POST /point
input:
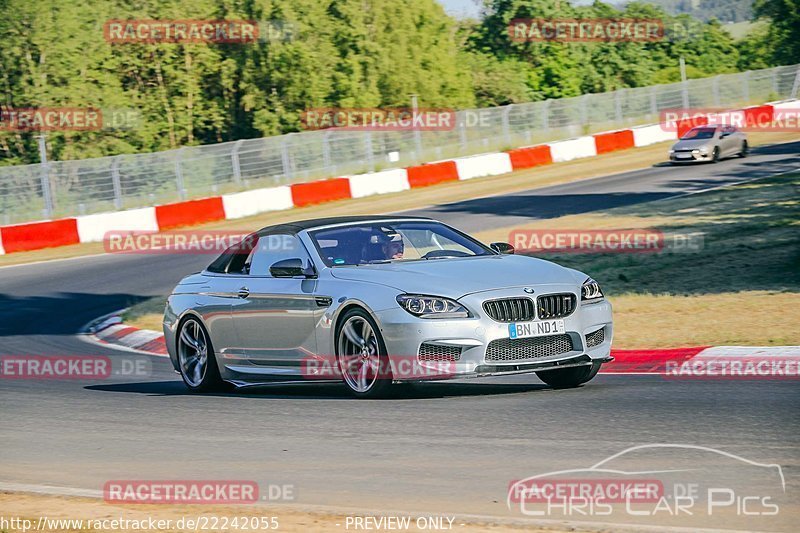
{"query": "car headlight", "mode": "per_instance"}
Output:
(591, 291)
(432, 306)
(703, 150)
(671, 151)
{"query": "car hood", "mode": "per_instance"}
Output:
(455, 278)
(692, 144)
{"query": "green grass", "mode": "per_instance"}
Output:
(751, 242)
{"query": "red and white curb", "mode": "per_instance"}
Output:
(93, 228)
(699, 361)
(709, 362)
(110, 331)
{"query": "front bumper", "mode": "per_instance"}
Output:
(689, 157)
(469, 338)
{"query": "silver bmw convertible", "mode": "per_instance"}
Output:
(372, 301)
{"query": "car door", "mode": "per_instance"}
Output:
(275, 318)
(727, 141)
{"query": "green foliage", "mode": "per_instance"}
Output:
(783, 35)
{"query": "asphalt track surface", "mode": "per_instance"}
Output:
(444, 448)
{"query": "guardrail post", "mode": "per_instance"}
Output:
(116, 183)
(237, 169)
(179, 174)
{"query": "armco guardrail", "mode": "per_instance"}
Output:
(74, 188)
(91, 228)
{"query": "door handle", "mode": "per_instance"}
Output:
(244, 292)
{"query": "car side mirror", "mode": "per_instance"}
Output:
(502, 248)
(290, 268)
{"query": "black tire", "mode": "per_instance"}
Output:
(210, 379)
(745, 149)
(567, 378)
(715, 155)
(382, 384)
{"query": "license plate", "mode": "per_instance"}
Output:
(684, 156)
(519, 330)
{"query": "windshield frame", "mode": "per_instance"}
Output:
(699, 129)
(312, 233)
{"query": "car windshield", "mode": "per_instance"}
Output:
(700, 133)
(381, 242)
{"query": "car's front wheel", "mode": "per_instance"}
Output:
(362, 356)
(715, 155)
(196, 361)
(566, 378)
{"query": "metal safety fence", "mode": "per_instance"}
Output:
(70, 188)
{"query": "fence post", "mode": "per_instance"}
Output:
(115, 182)
(796, 85)
(285, 159)
(44, 174)
(746, 86)
(417, 133)
(462, 130)
(506, 125)
(368, 150)
(326, 153)
(546, 114)
(715, 90)
(237, 169)
(618, 105)
(684, 84)
(775, 81)
(584, 109)
(653, 100)
(179, 174)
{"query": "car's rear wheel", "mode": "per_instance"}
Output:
(196, 361)
(566, 378)
(362, 356)
(715, 155)
(745, 149)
